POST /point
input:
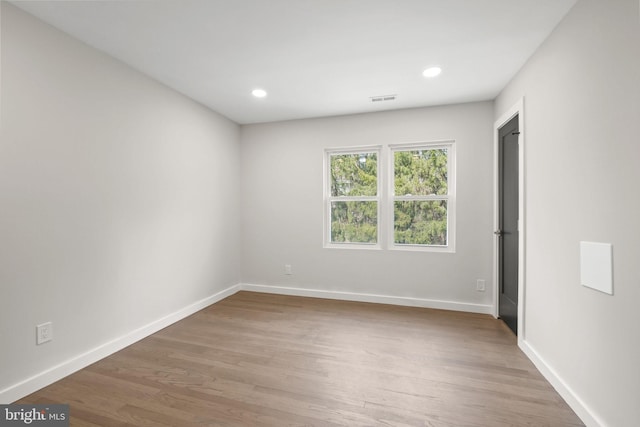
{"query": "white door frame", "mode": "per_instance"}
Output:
(517, 109)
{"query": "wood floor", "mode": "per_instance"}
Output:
(269, 360)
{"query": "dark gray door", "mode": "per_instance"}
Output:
(508, 223)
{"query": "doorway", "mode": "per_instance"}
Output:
(508, 220)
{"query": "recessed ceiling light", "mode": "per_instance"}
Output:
(432, 71)
(259, 93)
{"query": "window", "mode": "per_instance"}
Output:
(353, 204)
(413, 210)
(422, 195)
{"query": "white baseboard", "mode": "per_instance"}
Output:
(579, 407)
(55, 373)
(380, 299)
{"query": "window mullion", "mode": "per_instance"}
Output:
(353, 199)
(420, 198)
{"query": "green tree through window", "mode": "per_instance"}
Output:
(415, 211)
(354, 191)
(420, 181)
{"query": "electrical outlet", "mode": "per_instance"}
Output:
(287, 270)
(44, 333)
(480, 285)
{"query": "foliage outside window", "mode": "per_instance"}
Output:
(415, 207)
(353, 199)
(421, 195)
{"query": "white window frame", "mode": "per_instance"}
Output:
(450, 197)
(328, 198)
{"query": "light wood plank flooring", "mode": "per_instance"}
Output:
(269, 360)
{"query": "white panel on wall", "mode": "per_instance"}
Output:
(596, 266)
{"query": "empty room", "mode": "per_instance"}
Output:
(319, 213)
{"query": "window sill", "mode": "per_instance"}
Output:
(353, 246)
(420, 248)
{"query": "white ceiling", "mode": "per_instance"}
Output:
(314, 57)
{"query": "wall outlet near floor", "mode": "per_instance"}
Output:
(480, 285)
(287, 269)
(44, 333)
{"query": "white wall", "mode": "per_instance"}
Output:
(582, 105)
(118, 199)
(282, 206)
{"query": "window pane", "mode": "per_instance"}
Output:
(354, 174)
(420, 222)
(420, 172)
(354, 222)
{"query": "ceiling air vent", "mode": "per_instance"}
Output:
(382, 98)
